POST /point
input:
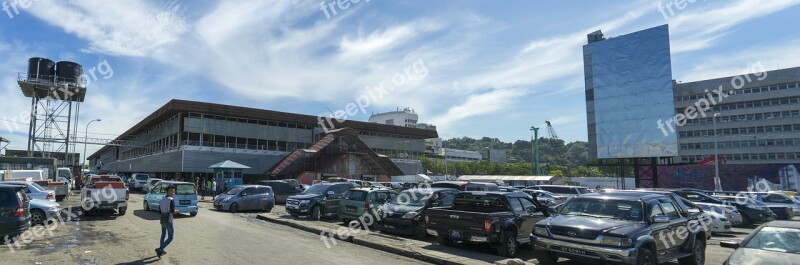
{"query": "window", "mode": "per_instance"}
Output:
(527, 204)
(669, 209)
(447, 199)
(356, 195)
(516, 206)
(655, 210)
(248, 191)
(776, 198)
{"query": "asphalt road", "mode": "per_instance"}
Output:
(209, 238)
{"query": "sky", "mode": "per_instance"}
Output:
(472, 68)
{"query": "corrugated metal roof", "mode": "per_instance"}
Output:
(227, 164)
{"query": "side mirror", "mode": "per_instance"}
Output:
(729, 244)
(330, 194)
(661, 219)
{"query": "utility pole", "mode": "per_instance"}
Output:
(537, 171)
(717, 181)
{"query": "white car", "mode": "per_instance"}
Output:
(35, 191)
(151, 182)
(728, 211)
(137, 181)
(719, 223)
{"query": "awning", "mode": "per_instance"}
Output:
(520, 178)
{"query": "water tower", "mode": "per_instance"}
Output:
(56, 91)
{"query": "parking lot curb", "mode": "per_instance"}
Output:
(364, 241)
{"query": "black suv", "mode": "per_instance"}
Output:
(319, 200)
(627, 227)
(282, 189)
(15, 217)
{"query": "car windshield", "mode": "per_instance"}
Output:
(603, 208)
(778, 239)
(184, 189)
(154, 181)
(142, 177)
(411, 198)
(316, 189)
(234, 191)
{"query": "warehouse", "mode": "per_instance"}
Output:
(183, 138)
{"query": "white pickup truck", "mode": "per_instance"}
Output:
(104, 192)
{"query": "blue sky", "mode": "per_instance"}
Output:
(491, 68)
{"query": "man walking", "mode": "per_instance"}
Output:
(208, 185)
(167, 208)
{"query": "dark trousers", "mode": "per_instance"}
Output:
(166, 230)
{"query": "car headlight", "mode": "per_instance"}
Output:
(616, 241)
(540, 231)
(410, 215)
(304, 202)
(226, 199)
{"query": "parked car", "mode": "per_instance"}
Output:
(776, 242)
(281, 189)
(621, 227)
(777, 199)
(545, 197)
(34, 191)
(246, 197)
(104, 192)
(138, 180)
(405, 213)
(359, 202)
(150, 183)
(185, 197)
(711, 203)
(294, 183)
(720, 223)
(504, 220)
(318, 201)
(562, 190)
(43, 210)
(359, 183)
(729, 212)
(15, 215)
(753, 212)
(466, 185)
(508, 189)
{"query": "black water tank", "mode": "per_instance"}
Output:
(69, 72)
(41, 69)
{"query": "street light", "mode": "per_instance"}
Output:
(717, 182)
(85, 139)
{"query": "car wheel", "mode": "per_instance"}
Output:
(37, 216)
(193, 214)
(316, 215)
(746, 221)
(508, 246)
(422, 230)
(698, 256)
(122, 210)
(646, 257)
(234, 208)
(445, 241)
(145, 206)
(545, 257)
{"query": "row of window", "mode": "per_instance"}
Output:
(743, 91)
(253, 121)
(211, 140)
(746, 157)
(751, 104)
(741, 144)
(158, 146)
(742, 130)
(746, 117)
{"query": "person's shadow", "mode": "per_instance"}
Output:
(147, 260)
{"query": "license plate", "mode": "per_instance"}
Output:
(389, 226)
(291, 206)
(185, 202)
(106, 207)
(573, 250)
(456, 234)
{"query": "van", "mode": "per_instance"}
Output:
(185, 197)
(138, 180)
(281, 189)
(246, 197)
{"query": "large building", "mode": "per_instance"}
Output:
(405, 117)
(183, 138)
(673, 133)
(758, 121)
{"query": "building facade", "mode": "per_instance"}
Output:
(182, 138)
(405, 117)
(757, 121)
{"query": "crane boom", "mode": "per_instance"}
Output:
(551, 131)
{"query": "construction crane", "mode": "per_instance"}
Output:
(551, 131)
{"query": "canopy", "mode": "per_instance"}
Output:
(227, 164)
(520, 178)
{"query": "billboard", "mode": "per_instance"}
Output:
(628, 90)
(736, 177)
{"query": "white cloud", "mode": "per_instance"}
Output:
(129, 28)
